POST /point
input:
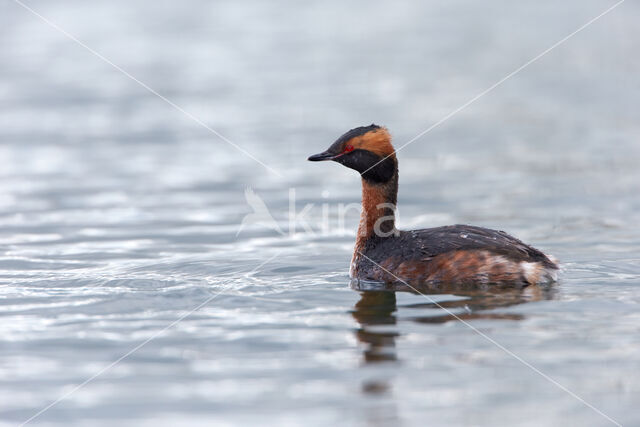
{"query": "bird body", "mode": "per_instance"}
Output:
(451, 254)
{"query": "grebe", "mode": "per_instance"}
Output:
(450, 254)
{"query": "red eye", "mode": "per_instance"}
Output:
(348, 148)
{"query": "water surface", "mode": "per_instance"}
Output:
(119, 215)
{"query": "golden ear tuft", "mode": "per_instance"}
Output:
(377, 141)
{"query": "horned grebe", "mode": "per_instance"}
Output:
(450, 254)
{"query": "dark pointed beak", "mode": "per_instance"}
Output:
(321, 156)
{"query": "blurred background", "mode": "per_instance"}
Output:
(119, 213)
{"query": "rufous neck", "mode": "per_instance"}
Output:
(378, 209)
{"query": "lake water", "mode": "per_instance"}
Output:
(119, 214)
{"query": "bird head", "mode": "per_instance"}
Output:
(366, 149)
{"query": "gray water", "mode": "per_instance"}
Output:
(119, 215)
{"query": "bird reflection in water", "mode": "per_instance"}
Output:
(376, 310)
(376, 315)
